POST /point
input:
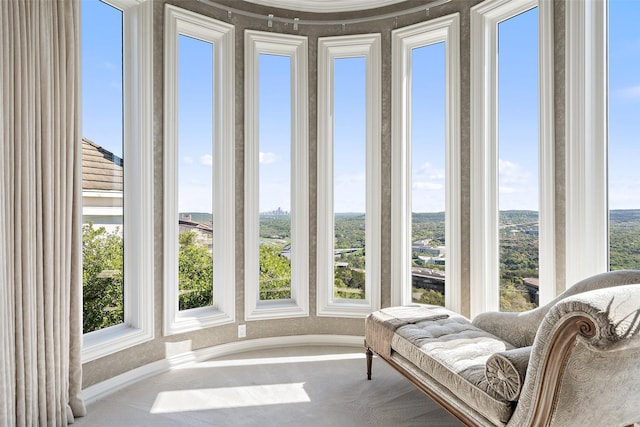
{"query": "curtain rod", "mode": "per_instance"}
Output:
(270, 18)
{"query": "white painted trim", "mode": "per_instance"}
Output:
(586, 140)
(138, 184)
(445, 29)
(326, 6)
(102, 194)
(295, 47)
(103, 389)
(329, 49)
(102, 211)
(485, 17)
(222, 35)
(547, 155)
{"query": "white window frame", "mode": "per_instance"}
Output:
(138, 187)
(295, 47)
(222, 35)
(404, 40)
(329, 49)
(587, 224)
(485, 17)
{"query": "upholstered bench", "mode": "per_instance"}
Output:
(572, 362)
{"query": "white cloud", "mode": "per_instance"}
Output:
(423, 185)
(350, 192)
(206, 160)
(187, 160)
(518, 187)
(427, 169)
(423, 168)
(428, 184)
(507, 190)
(267, 158)
(630, 92)
(512, 173)
(623, 194)
(195, 197)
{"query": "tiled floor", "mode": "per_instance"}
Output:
(294, 386)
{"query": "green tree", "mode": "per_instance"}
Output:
(275, 273)
(102, 278)
(513, 299)
(102, 274)
(195, 272)
(430, 296)
(349, 283)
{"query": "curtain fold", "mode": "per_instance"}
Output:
(40, 214)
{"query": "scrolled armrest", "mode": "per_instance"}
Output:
(615, 313)
(606, 320)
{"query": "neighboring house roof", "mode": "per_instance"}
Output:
(205, 228)
(101, 169)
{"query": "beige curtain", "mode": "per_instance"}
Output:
(40, 202)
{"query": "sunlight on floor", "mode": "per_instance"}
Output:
(229, 397)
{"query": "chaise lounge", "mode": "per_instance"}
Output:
(572, 362)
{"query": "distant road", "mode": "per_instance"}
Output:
(427, 272)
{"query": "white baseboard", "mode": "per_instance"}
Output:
(106, 387)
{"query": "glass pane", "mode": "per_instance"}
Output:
(428, 109)
(518, 161)
(275, 176)
(624, 134)
(349, 176)
(102, 166)
(195, 173)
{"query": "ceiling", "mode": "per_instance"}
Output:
(326, 6)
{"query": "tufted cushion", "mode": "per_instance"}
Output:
(453, 352)
(505, 371)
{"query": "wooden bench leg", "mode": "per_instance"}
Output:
(369, 360)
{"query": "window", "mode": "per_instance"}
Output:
(117, 176)
(102, 166)
(349, 117)
(199, 172)
(490, 172)
(624, 128)
(602, 108)
(428, 189)
(425, 212)
(274, 159)
(276, 176)
(518, 164)
(195, 173)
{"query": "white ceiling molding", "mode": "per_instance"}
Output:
(325, 6)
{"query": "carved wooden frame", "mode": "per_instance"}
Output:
(552, 371)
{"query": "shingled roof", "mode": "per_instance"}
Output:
(101, 169)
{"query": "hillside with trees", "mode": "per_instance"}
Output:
(103, 261)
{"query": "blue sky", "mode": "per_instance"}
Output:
(195, 130)
(102, 75)
(274, 161)
(428, 128)
(518, 115)
(518, 112)
(624, 104)
(349, 135)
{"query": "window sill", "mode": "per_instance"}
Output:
(195, 319)
(276, 310)
(110, 340)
